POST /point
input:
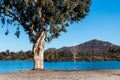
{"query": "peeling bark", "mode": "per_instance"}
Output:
(38, 50)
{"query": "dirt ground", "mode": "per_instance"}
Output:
(63, 75)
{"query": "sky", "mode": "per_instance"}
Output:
(102, 23)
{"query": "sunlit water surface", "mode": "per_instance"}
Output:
(15, 66)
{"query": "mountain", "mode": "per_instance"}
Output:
(96, 46)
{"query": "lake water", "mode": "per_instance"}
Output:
(15, 66)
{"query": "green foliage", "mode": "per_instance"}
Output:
(37, 15)
(16, 55)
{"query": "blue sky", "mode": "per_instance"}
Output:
(102, 23)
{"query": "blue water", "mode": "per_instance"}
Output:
(15, 66)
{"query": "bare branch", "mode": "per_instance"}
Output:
(74, 51)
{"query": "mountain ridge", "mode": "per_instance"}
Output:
(94, 45)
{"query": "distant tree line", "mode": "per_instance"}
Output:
(21, 55)
(113, 54)
(54, 55)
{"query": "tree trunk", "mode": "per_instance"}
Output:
(38, 50)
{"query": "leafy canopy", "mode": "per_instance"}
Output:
(36, 16)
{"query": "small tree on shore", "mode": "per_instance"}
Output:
(42, 20)
(74, 51)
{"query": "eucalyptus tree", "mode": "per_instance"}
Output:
(42, 20)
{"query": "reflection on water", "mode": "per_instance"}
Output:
(15, 66)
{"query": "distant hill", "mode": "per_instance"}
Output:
(96, 46)
(93, 50)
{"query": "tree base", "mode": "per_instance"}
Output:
(38, 69)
